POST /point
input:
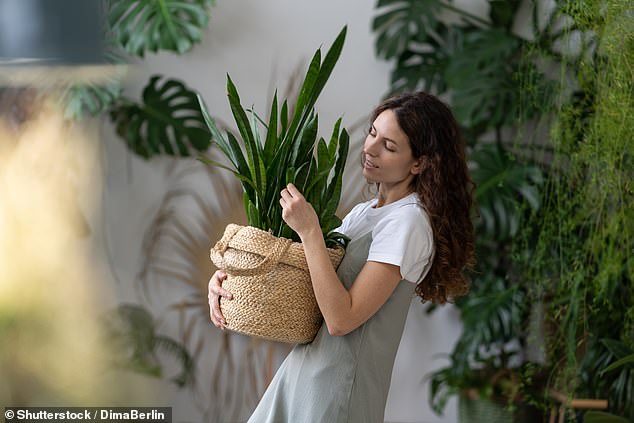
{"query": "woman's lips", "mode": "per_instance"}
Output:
(369, 165)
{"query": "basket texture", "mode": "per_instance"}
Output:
(268, 276)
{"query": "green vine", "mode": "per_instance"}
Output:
(584, 233)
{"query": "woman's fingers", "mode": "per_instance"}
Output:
(294, 191)
(215, 292)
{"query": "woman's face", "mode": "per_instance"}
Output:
(387, 155)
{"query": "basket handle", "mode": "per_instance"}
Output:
(267, 263)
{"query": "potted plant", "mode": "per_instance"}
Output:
(265, 262)
(489, 369)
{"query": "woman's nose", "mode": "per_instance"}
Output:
(369, 147)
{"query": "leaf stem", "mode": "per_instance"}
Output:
(168, 22)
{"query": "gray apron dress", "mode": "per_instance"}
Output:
(341, 379)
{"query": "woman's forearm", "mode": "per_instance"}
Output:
(332, 297)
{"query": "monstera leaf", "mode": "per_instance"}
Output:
(169, 121)
(102, 86)
(492, 315)
(480, 76)
(142, 25)
(502, 184)
(424, 66)
(91, 98)
(402, 21)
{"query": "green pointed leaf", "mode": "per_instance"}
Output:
(628, 359)
(323, 158)
(241, 119)
(284, 120)
(252, 214)
(303, 100)
(248, 137)
(290, 175)
(270, 145)
(289, 154)
(334, 138)
(307, 137)
(236, 154)
(334, 188)
(332, 56)
(216, 135)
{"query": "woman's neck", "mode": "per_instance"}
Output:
(389, 195)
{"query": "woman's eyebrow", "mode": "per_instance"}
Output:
(386, 139)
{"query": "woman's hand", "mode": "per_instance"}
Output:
(215, 292)
(298, 214)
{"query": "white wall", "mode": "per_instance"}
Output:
(260, 43)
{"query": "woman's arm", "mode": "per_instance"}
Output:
(343, 310)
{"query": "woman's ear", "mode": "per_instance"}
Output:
(419, 165)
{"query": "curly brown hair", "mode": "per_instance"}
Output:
(444, 188)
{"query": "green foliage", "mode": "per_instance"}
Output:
(607, 370)
(91, 98)
(132, 332)
(492, 318)
(168, 122)
(289, 152)
(97, 96)
(584, 233)
(476, 62)
(152, 25)
(500, 181)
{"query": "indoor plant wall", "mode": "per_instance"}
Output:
(583, 236)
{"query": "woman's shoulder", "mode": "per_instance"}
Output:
(360, 208)
(409, 217)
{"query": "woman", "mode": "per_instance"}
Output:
(415, 237)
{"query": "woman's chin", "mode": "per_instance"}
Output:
(369, 176)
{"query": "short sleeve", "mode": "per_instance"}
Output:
(404, 238)
(344, 228)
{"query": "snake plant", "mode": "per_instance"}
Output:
(288, 151)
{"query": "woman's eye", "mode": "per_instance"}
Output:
(388, 148)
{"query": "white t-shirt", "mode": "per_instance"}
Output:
(401, 234)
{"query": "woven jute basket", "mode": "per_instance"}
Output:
(268, 276)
